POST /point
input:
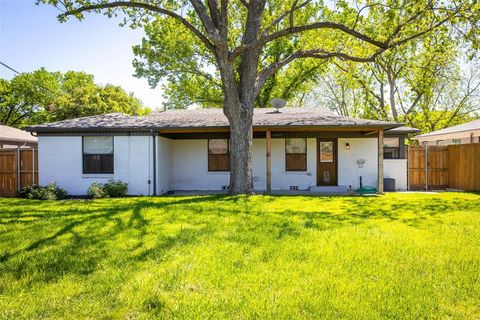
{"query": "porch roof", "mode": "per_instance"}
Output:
(202, 119)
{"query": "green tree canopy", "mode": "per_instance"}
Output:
(43, 96)
(429, 84)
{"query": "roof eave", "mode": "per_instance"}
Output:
(433, 134)
(200, 129)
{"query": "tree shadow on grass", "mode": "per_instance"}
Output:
(86, 232)
(85, 238)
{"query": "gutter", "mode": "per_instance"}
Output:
(154, 164)
(204, 128)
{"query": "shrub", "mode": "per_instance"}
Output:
(50, 192)
(115, 189)
(112, 189)
(97, 191)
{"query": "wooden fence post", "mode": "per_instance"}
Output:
(408, 167)
(380, 162)
(426, 166)
(269, 160)
(19, 177)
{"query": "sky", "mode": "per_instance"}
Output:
(31, 37)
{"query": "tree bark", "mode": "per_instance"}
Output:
(392, 87)
(238, 108)
(241, 137)
(240, 98)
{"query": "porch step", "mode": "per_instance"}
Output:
(328, 189)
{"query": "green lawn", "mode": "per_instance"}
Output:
(407, 256)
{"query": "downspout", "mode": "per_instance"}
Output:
(154, 164)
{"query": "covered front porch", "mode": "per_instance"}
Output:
(333, 161)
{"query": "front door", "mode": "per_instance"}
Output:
(326, 162)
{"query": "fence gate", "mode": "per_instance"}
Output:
(427, 167)
(18, 168)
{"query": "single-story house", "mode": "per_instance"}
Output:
(310, 149)
(12, 138)
(463, 133)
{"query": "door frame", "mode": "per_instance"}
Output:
(335, 160)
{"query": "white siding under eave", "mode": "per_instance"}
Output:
(164, 165)
(183, 165)
(396, 169)
(60, 160)
(349, 172)
(282, 179)
(190, 167)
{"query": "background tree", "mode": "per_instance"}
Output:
(25, 98)
(233, 34)
(429, 84)
(43, 96)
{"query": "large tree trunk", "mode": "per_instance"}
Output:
(239, 113)
(239, 99)
(241, 136)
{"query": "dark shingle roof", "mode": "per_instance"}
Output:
(209, 118)
(472, 125)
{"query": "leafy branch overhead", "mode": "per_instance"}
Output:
(358, 32)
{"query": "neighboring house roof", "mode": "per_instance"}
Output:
(210, 118)
(10, 135)
(469, 126)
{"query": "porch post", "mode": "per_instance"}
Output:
(268, 135)
(380, 162)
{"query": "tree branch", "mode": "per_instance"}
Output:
(207, 22)
(146, 6)
(282, 16)
(314, 26)
(316, 53)
(387, 44)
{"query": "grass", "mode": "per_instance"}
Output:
(398, 256)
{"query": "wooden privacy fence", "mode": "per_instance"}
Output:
(441, 167)
(464, 166)
(18, 168)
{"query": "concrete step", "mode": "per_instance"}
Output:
(328, 189)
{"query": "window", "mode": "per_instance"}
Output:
(97, 155)
(218, 155)
(457, 141)
(326, 151)
(295, 154)
(391, 148)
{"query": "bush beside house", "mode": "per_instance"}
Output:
(111, 189)
(50, 192)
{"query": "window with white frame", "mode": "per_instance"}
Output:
(97, 155)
